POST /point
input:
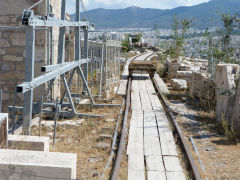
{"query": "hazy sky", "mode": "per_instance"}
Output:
(117, 4)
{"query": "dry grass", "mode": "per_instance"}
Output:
(83, 139)
(219, 156)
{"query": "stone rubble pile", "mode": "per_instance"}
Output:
(224, 91)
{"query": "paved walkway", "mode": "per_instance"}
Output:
(151, 148)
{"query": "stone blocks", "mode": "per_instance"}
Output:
(33, 165)
(201, 87)
(32, 143)
(226, 75)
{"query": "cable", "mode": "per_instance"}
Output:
(36, 4)
(84, 10)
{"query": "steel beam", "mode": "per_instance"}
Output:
(53, 67)
(40, 21)
(29, 75)
(67, 114)
(85, 84)
(29, 85)
(85, 50)
(69, 85)
(57, 66)
(67, 90)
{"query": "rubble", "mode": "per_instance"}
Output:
(179, 84)
(62, 124)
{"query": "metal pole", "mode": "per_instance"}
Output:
(102, 66)
(40, 119)
(55, 121)
(77, 39)
(13, 113)
(92, 61)
(48, 36)
(61, 46)
(85, 50)
(29, 75)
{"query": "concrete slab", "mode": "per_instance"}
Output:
(31, 143)
(33, 165)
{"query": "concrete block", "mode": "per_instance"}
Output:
(33, 165)
(32, 143)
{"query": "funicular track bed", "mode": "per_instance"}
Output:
(156, 147)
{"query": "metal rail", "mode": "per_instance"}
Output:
(124, 128)
(123, 135)
(186, 148)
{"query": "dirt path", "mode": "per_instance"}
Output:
(220, 158)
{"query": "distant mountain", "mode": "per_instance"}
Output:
(205, 15)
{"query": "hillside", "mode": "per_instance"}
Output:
(205, 15)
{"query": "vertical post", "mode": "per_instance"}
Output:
(61, 46)
(48, 36)
(102, 66)
(77, 33)
(29, 75)
(77, 39)
(14, 112)
(55, 121)
(85, 50)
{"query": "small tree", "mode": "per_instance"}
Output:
(180, 28)
(126, 47)
(224, 51)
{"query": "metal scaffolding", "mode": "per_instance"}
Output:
(61, 70)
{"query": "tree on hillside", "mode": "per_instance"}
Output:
(180, 29)
(126, 47)
(224, 51)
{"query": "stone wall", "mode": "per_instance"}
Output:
(12, 48)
